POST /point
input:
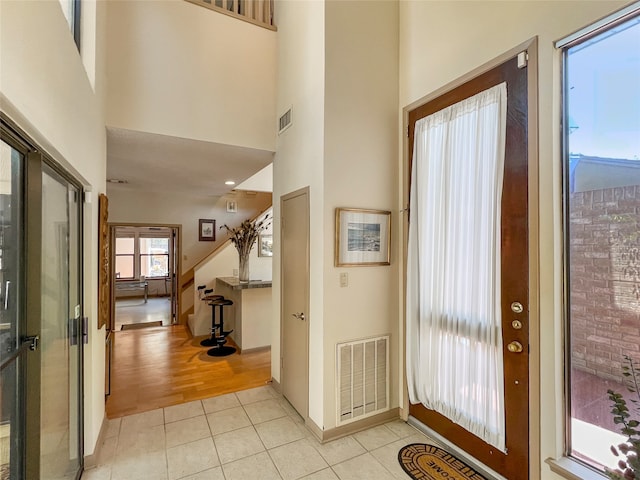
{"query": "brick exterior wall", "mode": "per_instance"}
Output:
(605, 279)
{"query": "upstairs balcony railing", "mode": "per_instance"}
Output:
(258, 12)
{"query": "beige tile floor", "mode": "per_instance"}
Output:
(248, 435)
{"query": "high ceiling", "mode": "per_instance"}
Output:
(161, 163)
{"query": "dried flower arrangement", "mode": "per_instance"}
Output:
(244, 238)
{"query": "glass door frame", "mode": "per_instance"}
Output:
(18, 356)
(35, 161)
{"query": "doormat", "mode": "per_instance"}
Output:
(427, 462)
(135, 326)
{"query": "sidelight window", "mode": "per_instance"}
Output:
(602, 229)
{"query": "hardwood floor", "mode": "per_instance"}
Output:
(162, 366)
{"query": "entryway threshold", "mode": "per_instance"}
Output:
(442, 442)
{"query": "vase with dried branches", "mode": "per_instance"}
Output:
(244, 238)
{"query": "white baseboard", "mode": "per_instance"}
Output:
(338, 432)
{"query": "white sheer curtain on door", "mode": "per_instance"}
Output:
(454, 342)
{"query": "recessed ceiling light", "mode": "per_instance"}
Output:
(229, 182)
(116, 180)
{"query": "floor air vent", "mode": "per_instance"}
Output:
(363, 378)
(284, 122)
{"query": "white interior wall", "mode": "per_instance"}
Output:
(173, 70)
(360, 170)
(298, 163)
(441, 41)
(45, 89)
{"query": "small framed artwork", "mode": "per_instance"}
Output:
(363, 237)
(265, 245)
(232, 206)
(206, 230)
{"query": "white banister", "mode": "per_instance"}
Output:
(258, 12)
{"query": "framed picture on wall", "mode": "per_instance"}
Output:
(265, 245)
(232, 206)
(363, 237)
(206, 230)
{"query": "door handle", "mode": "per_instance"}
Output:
(7, 285)
(515, 347)
(32, 341)
(299, 316)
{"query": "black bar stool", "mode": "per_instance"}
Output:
(221, 350)
(209, 298)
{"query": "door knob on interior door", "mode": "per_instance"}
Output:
(515, 347)
(299, 316)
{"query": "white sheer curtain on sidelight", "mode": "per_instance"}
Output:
(454, 342)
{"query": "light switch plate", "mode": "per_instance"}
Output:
(344, 279)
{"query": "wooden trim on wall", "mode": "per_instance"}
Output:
(184, 316)
(104, 266)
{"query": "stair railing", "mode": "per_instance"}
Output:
(258, 12)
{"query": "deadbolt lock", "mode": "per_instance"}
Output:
(516, 324)
(515, 347)
(517, 307)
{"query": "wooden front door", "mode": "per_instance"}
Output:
(295, 299)
(514, 464)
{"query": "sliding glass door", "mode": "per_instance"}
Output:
(60, 361)
(40, 315)
(12, 318)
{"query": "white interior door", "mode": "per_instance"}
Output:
(295, 299)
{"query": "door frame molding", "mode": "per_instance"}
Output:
(283, 198)
(112, 255)
(531, 46)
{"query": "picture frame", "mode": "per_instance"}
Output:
(363, 237)
(232, 206)
(265, 245)
(206, 230)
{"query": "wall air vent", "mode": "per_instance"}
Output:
(285, 121)
(363, 378)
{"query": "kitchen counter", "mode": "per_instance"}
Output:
(250, 316)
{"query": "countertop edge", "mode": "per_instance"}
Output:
(234, 283)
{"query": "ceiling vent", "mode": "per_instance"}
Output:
(285, 121)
